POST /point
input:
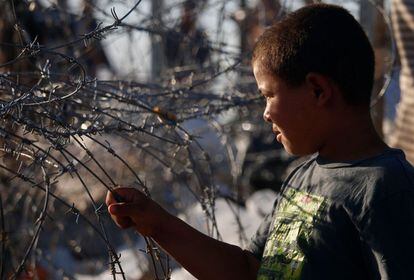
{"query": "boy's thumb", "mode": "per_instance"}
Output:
(121, 209)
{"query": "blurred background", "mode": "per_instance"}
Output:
(158, 95)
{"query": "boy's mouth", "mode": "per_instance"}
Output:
(279, 137)
(278, 134)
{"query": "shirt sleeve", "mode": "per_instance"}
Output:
(258, 241)
(389, 232)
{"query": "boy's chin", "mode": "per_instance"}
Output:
(298, 152)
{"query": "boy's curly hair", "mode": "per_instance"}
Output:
(320, 38)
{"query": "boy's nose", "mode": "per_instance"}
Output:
(266, 116)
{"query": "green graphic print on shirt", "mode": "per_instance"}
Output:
(293, 225)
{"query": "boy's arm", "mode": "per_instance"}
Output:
(201, 255)
(388, 229)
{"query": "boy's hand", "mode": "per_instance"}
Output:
(203, 256)
(136, 210)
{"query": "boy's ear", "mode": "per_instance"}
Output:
(321, 87)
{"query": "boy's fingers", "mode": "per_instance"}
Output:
(109, 198)
(122, 209)
(125, 194)
(124, 222)
(115, 195)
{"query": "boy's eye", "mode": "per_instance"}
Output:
(265, 96)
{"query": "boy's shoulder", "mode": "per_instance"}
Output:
(357, 186)
(388, 164)
(390, 169)
(374, 177)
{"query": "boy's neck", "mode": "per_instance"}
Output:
(356, 138)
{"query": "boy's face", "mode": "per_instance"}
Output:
(292, 111)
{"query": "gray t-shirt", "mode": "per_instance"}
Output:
(341, 220)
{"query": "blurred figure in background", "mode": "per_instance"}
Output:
(187, 44)
(402, 15)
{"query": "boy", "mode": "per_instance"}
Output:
(348, 212)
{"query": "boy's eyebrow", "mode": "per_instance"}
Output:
(264, 92)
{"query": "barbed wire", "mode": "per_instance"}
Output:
(67, 137)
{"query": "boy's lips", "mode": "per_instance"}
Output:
(278, 134)
(279, 137)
